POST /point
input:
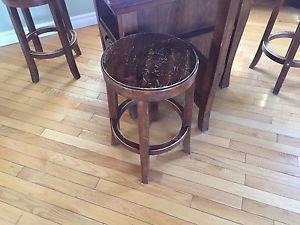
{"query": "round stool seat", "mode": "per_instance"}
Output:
(26, 3)
(149, 61)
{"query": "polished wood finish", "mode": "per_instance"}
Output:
(13, 12)
(63, 26)
(207, 84)
(150, 68)
(144, 138)
(267, 32)
(58, 166)
(120, 18)
(238, 32)
(31, 27)
(288, 60)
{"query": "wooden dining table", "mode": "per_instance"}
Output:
(214, 27)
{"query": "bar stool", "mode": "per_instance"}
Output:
(287, 61)
(63, 26)
(147, 68)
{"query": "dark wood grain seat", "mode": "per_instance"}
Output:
(149, 61)
(62, 26)
(25, 3)
(147, 68)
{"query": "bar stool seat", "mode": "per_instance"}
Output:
(147, 68)
(62, 26)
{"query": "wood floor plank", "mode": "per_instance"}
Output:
(17, 124)
(179, 158)
(264, 152)
(271, 212)
(30, 219)
(42, 209)
(250, 169)
(256, 141)
(4, 222)
(42, 148)
(229, 213)
(231, 187)
(70, 203)
(273, 187)
(9, 167)
(284, 139)
(147, 215)
(270, 164)
(28, 109)
(178, 211)
(9, 213)
(241, 128)
(48, 167)
(204, 148)
(43, 122)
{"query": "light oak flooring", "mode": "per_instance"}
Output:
(57, 165)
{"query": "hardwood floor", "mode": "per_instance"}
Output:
(57, 165)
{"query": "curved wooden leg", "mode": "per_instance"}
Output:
(66, 19)
(289, 59)
(143, 117)
(187, 119)
(112, 99)
(24, 44)
(31, 27)
(267, 33)
(64, 38)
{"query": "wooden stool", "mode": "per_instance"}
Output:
(146, 68)
(63, 26)
(289, 60)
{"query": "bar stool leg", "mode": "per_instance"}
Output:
(187, 118)
(24, 44)
(31, 27)
(64, 38)
(267, 33)
(112, 99)
(143, 117)
(154, 108)
(66, 19)
(289, 59)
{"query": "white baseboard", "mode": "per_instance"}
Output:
(88, 19)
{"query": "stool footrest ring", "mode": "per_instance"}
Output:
(153, 149)
(53, 54)
(272, 54)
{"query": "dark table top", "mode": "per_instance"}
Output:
(126, 6)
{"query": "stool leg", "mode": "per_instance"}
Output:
(112, 99)
(143, 117)
(187, 117)
(31, 27)
(64, 38)
(267, 33)
(289, 59)
(154, 108)
(66, 19)
(24, 44)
